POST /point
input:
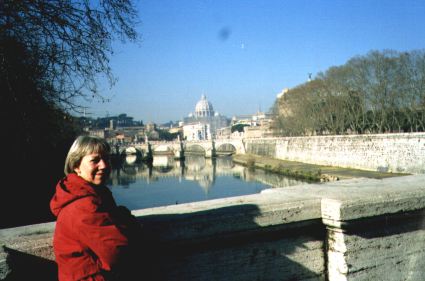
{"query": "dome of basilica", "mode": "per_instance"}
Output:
(204, 108)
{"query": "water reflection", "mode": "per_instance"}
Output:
(196, 168)
(163, 161)
(131, 159)
(169, 181)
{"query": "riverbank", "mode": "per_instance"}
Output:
(311, 172)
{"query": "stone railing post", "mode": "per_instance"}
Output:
(376, 236)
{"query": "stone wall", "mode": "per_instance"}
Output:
(264, 146)
(376, 230)
(381, 152)
(361, 229)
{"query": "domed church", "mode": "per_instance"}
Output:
(202, 125)
(204, 108)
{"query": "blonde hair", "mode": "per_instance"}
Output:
(82, 146)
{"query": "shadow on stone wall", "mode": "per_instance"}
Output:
(395, 242)
(24, 266)
(227, 244)
(217, 244)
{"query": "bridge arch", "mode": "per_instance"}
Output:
(225, 149)
(195, 149)
(163, 149)
(130, 150)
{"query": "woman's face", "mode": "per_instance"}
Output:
(94, 168)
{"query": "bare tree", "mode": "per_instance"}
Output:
(383, 91)
(72, 41)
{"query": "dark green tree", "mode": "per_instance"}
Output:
(51, 53)
(238, 127)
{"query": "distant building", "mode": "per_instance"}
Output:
(223, 133)
(150, 127)
(258, 125)
(102, 133)
(204, 123)
(197, 131)
(176, 130)
(110, 122)
(257, 119)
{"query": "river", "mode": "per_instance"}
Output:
(168, 181)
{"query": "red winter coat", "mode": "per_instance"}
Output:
(88, 239)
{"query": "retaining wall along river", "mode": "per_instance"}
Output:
(397, 153)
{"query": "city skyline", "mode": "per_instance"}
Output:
(241, 54)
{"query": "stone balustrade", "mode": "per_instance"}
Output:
(359, 229)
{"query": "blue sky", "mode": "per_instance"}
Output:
(242, 53)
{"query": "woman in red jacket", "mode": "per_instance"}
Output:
(92, 238)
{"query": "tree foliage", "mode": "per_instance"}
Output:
(376, 93)
(238, 127)
(72, 41)
(51, 52)
(36, 136)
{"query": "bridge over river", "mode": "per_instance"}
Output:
(401, 153)
(208, 148)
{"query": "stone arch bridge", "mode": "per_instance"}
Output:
(178, 149)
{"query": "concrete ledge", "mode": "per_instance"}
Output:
(360, 229)
(373, 198)
(27, 251)
(230, 215)
(376, 231)
(255, 237)
(27, 230)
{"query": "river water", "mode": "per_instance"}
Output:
(168, 181)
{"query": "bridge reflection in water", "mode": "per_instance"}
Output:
(168, 181)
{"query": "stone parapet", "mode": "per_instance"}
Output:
(376, 230)
(360, 229)
(26, 253)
